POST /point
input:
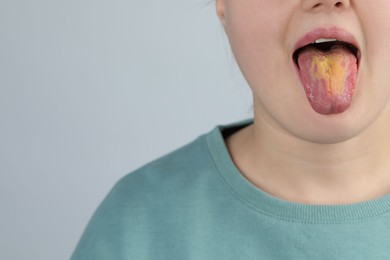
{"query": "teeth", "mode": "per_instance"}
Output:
(321, 40)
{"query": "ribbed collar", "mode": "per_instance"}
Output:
(282, 209)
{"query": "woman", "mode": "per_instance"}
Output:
(307, 178)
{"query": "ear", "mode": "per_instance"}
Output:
(220, 6)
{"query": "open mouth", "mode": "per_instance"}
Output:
(326, 45)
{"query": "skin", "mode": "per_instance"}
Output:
(291, 151)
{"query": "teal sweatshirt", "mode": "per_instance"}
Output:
(194, 204)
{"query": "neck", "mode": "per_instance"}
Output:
(296, 170)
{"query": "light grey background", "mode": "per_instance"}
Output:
(91, 90)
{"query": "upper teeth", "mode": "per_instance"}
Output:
(321, 40)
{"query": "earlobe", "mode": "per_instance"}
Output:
(220, 6)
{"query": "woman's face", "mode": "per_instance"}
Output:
(264, 35)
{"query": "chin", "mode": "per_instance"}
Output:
(329, 137)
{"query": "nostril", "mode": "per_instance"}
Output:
(325, 5)
(322, 4)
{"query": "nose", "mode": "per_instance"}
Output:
(325, 5)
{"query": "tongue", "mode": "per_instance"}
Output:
(329, 78)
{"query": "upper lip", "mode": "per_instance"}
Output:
(328, 33)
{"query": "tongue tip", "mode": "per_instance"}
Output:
(331, 111)
(330, 108)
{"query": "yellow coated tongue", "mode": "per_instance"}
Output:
(329, 78)
(330, 68)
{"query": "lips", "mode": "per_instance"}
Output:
(340, 35)
(327, 62)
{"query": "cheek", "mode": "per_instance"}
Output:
(375, 22)
(256, 36)
(373, 93)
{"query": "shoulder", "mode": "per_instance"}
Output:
(162, 178)
(183, 164)
(143, 200)
(152, 206)
(177, 172)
